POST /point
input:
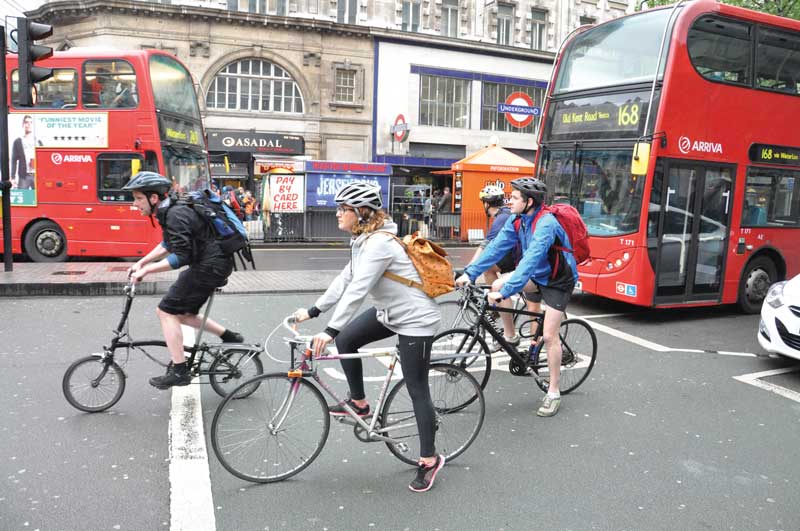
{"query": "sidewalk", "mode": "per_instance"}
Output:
(109, 278)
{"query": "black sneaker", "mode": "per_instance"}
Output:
(339, 411)
(234, 337)
(171, 378)
(426, 474)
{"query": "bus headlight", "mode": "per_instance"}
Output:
(775, 295)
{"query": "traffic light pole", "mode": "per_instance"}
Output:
(5, 181)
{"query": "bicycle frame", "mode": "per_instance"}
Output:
(306, 368)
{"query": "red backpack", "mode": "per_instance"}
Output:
(572, 223)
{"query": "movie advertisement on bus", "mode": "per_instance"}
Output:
(22, 151)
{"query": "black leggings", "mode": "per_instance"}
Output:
(415, 357)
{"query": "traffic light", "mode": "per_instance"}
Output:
(27, 33)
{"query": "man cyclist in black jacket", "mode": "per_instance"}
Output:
(187, 240)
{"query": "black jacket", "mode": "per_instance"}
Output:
(190, 240)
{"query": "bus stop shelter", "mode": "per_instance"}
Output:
(490, 165)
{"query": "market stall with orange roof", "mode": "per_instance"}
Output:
(490, 165)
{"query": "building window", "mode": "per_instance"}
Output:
(494, 93)
(505, 24)
(444, 101)
(345, 91)
(346, 11)
(233, 5)
(450, 18)
(538, 29)
(411, 14)
(584, 21)
(257, 6)
(254, 85)
(283, 8)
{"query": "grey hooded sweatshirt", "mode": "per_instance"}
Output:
(402, 309)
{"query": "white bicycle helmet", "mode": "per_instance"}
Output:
(492, 195)
(360, 194)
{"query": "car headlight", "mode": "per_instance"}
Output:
(775, 295)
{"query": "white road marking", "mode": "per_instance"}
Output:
(191, 504)
(630, 338)
(755, 379)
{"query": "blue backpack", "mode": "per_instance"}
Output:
(226, 225)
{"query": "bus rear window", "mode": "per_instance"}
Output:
(720, 49)
(57, 92)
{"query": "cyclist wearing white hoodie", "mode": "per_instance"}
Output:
(399, 309)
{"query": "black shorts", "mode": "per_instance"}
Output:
(554, 298)
(192, 289)
(506, 264)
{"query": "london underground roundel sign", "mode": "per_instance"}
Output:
(519, 109)
(400, 128)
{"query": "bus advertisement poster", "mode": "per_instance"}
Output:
(22, 148)
(72, 130)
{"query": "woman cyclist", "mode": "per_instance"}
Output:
(399, 309)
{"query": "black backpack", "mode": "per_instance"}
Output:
(229, 230)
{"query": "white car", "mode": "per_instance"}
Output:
(779, 330)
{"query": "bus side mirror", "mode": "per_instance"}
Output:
(136, 166)
(641, 157)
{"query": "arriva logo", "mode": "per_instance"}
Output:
(58, 158)
(685, 145)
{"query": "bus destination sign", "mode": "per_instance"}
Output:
(617, 115)
(769, 154)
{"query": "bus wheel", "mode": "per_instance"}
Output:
(45, 242)
(759, 275)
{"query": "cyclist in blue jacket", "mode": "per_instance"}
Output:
(543, 268)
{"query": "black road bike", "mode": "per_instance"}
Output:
(95, 383)
(467, 345)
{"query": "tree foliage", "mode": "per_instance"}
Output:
(782, 8)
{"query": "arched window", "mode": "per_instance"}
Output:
(254, 85)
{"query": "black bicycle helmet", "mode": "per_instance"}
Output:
(492, 195)
(531, 187)
(149, 182)
(358, 194)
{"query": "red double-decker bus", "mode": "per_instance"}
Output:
(674, 132)
(103, 115)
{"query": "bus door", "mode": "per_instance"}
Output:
(694, 202)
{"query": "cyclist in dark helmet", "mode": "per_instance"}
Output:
(187, 240)
(543, 268)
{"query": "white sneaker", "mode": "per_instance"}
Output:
(514, 341)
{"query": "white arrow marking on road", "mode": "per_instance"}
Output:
(191, 505)
(755, 379)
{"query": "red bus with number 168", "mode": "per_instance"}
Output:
(674, 132)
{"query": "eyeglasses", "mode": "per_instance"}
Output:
(343, 209)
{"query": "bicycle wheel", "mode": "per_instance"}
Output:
(93, 384)
(465, 349)
(456, 427)
(273, 434)
(579, 352)
(233, 367)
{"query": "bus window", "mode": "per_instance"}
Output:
(172, 87)
(113, 171)
(770, 199)
(777, 61)
(57, 92)
(720, 49)
(109, 84)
